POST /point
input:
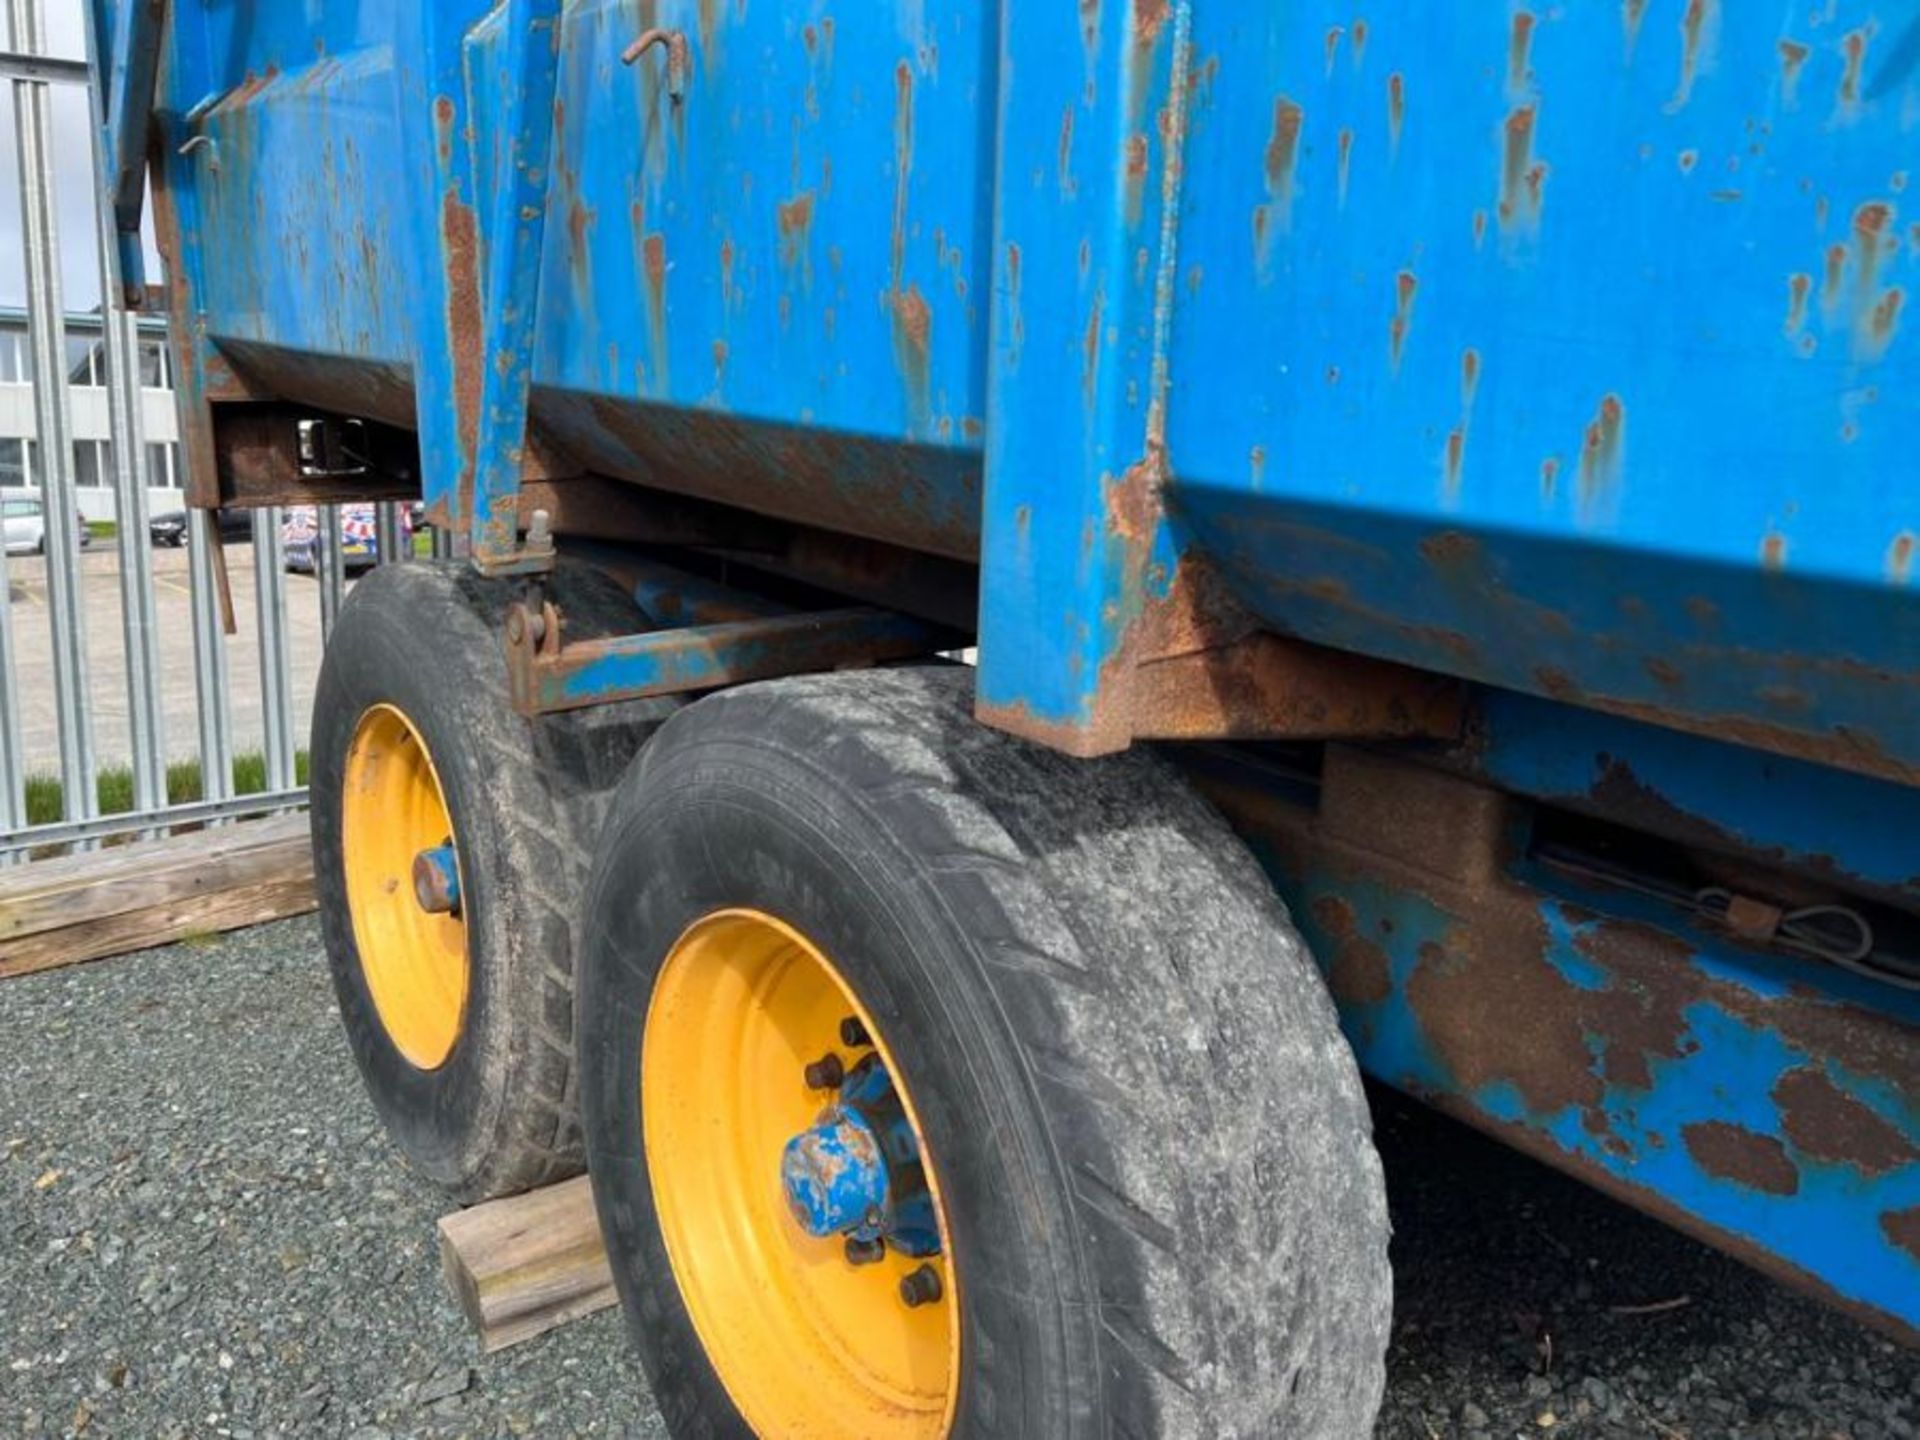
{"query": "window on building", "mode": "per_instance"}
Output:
(85, 365)
(16, 358)
(16, 462)
(155, 370)
(93, 464)
(163, 466)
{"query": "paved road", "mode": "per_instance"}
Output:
(106, 654)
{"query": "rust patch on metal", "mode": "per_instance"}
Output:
(1697, 26)
(1871, 223)
(1068, 185)
(1884, 320)
(1090, 351)
(1854, 47)
(1135, 176)
(1283, 157)
(1793, 59)
(1271, 687)
(1359, 43)
(1522, 177)
(1686, 160)
(1799, 287)
(1345, 147)
(1332, 45)
(1900, 558)
(1453, 458)
(1836, 270)
(653, 269)
(1902, 1229)
(1479, 228)
(1406, 285)
(1149, 18)
(1825, 1122)
(466, 337)
(1496, 1010)
(1549, 477)
(1742, 1156)
(1520, 53)
(1773, 550)
(1632, 12)
(1017, 321)
(902, 165)
(794, 220)
(578, 218)
(719, 363)
(1396, 110)
(728, 295)
(1602, 449)
(1358, 970)
(913, 352)
(1665, 674)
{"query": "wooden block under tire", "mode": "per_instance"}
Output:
(522, 1265)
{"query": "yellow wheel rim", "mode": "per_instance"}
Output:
(805, 1343)
(415, 961)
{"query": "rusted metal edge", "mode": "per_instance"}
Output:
(546, 675)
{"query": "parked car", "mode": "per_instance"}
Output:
(24, 519)
(170, 526)
(359, 536)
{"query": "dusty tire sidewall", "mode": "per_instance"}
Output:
(716, 828)
(446, 1119)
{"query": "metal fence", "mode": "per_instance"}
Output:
(32, 76)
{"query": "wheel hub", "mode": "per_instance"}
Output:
(856, 1171)
(798, 1204)
(402, 878)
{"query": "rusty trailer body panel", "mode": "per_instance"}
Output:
(1523, 398)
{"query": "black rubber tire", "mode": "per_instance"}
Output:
(526, 800)
(1167, 1214)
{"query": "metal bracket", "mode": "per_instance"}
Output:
(547, 675)
(129, 61)
(516, 233)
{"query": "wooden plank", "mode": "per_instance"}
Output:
(520, 1266)
(110, 902)
(53, 894)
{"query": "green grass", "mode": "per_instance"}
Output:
(114, 785)
(423, 544)
(103, 529)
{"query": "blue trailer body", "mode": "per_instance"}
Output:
(1559, 355)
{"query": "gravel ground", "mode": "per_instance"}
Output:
(206, 1233)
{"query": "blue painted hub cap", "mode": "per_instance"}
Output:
(856, 1170)
(436, 880)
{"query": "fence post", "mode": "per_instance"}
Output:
(211, 685)
(46, 324)
(276, 679)
(120, 347)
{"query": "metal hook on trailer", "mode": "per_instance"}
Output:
(211, 146)
(679, 61)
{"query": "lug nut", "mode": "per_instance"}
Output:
(865, 1252)
(853, 1034)
(826, 1073)
(920, 1287)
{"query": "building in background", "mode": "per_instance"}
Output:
(87, 397)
